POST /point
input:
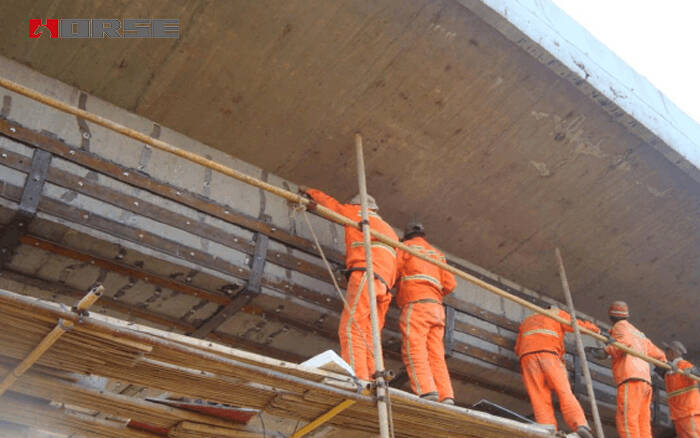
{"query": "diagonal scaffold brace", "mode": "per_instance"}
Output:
(382, 389)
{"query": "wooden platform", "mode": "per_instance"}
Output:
(102, 346)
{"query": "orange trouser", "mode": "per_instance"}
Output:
(543, 373)
(688, 427)
(633, 417)
(423, 327)
(355, 330)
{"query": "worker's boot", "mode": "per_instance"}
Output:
(448, 401)
(432, 396)
(584, 432)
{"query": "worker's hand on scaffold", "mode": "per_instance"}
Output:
(596, 353)
(302, 189)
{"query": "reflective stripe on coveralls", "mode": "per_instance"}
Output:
(420, 279)
(348, 328)
(625, 366)
(407, 339)
(633, 416)
(544, 373)
(381, 245)
(683, 398)
(541, 332)
(633, 377)
(422, 326)
(688, 427)
(423, 277)
(355, 329)
(422, 321)
(682, 392)
(383, 256)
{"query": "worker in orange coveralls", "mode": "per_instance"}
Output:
(682, 392)
(355, 330)
(421, 288)
(631, 374)
(540, 347)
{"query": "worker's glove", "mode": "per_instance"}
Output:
(596, 353)
(303, 189)
(609, 340)
(660, 371)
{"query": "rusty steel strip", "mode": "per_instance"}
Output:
(28, 204)
(123, 269)
(147, 209)
(247, 294)
(119, 230)
(133, 177)
(449, 333)
(82, 124)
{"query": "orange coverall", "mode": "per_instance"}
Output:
(683, 401)
(355, 330)
(633, 379)
(421, 288)
(540, 347)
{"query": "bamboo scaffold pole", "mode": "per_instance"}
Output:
(382, 407)
(62, 326)
(579, 347)
(298, 199)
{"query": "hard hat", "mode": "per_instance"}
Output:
(413, 227)
(371, 203)
(619, 309)
(676, 346)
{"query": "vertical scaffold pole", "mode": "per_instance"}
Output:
(579, 346)
(382, 411)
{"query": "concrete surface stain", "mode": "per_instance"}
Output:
(541, 168)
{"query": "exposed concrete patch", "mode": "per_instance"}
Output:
(656, 192)
(539, 115)
(588, 148)
(541, 168)
(147, 150)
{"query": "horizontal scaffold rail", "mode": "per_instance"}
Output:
(298, 199)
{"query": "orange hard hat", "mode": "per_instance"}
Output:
(619, 309)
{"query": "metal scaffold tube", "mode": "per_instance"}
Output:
(295, 198)
(382, 407)
(579, 346)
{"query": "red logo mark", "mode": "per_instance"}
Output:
(37, 26)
